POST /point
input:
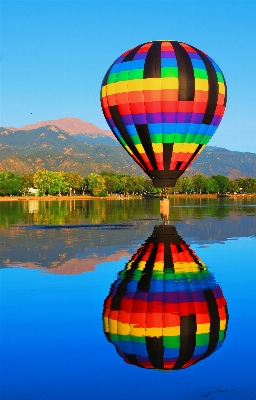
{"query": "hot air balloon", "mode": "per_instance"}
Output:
(165, 311)
(163, 100)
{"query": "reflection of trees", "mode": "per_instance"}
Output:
(112, 211)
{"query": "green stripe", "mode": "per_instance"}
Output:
(122, 76)
(171, 342)
(126, 75)
(138, 339)
(156, 137)
(122, 141)
(169, 72)
(112, 78)
(136, 74)
(220, 77)
(168, 137)
(197, 138)
(206, 139)
(202, 339)
(200, 73)
(221, 336)
(135, 139)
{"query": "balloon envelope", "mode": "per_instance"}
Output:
(165, 311)
(164, 100)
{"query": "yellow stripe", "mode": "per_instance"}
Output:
(152, 332)
(158, 266)
(184, 147)
(123, 329)
(140, 148)
(169, 83)
(222, 324)
(128, 265)
(141, 265)
(203, 328)
(136, 85)
(186, 268)
(157, 147)
(105, 323)
(201, 84)
(127, 329)
(104, 91)
(137, 331)
(127, 148)
(112, 325)
(171, 331)
(221, 88)
(200, 151)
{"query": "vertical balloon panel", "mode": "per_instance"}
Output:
(165, 311)
(163, 101)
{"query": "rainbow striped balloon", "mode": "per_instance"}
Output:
(163, 100)
(165, 311)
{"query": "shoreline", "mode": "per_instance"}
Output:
(116, 197)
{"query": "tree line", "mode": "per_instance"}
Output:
(66, 183)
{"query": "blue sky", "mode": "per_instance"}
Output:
(54, 55)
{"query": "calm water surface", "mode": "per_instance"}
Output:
(100, 300)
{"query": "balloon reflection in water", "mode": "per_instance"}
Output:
(165, 311)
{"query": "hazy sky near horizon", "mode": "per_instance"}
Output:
(54, 55)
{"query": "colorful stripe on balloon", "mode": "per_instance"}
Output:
(164, 100)
(165, 310)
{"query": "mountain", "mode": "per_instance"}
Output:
(71, 125)
(85, 131)
(56, 150)
(72, 145)
(219, 161)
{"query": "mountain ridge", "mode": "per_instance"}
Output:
(54, 148)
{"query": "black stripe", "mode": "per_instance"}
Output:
(186, 73)
(121, 289)
(178, 165)
(143, 284)
(144, 136)
(168, 260)
(152, 67)
(194, 155)
(226, 91)
(133, 360)
(155, 351)
(105, 79)
(187, 340)
(214, 321)
(213, 88)
(120, 126)
(131, 54)
(167, 155)
(227, 319)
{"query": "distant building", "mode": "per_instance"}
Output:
(33, 191)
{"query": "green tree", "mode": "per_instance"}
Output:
(74, 182)
(186, 184)
(222, 182)
(111, 181)
(27, 181)
(250, 185)
(200, 183)
(48, 182)
(10, 184)
(233, 186)
(96, 184)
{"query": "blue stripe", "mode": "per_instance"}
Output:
(198, 64)
(169, 62)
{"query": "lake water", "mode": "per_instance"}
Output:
(103, 300)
